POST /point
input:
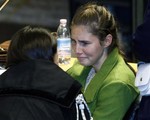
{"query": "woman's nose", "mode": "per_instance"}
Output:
(78, 49)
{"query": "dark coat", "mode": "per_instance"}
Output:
(143, 113)
(141, 38)
(37, 90)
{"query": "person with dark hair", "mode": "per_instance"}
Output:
(33, 87)
(107, 80)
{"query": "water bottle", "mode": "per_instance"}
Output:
(63, 43)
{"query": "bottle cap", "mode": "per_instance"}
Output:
(63, 21)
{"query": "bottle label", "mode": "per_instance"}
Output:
(64, 50)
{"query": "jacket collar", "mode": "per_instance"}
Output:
(101, 75)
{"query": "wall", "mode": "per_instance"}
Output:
(18, 13)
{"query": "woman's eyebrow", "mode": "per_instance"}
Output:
(86, 41)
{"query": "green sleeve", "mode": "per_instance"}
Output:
(113, 101)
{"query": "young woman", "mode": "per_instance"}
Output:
(108, 82)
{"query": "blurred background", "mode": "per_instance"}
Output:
(46, 13)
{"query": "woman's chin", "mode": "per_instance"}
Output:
(84, 63)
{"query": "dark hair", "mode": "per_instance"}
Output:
(100, 22)
(30, 43)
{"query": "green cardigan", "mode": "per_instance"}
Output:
(111, 91)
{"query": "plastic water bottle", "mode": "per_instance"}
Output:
(63, 43)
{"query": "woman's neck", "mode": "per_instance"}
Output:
(100, 62)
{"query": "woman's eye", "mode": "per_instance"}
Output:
(84, 43)
(73, 42)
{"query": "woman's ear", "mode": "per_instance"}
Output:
(108, 40)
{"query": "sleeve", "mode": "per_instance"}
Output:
(113, 101)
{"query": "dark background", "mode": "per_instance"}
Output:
(46, 13)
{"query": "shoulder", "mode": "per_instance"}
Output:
(78, 70)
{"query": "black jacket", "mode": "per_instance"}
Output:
(37, 90)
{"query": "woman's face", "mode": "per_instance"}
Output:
(86, 46)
